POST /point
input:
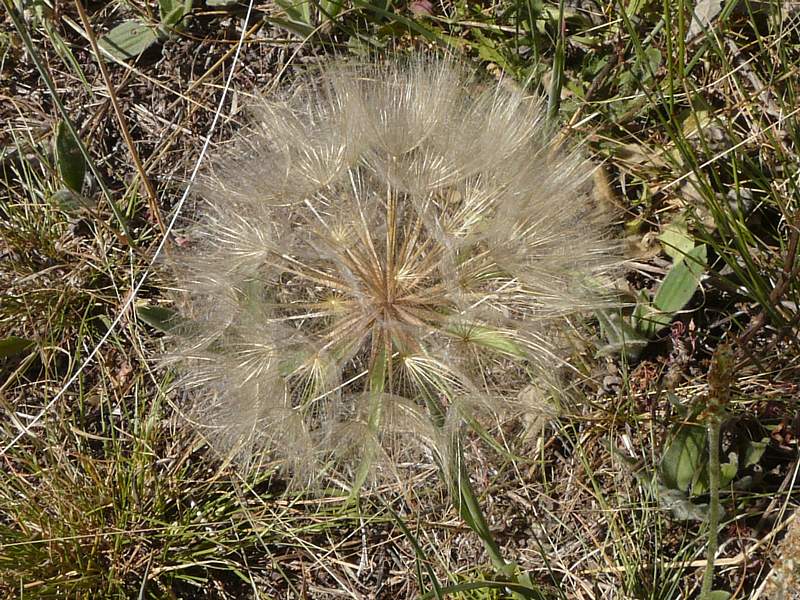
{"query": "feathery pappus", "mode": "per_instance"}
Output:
(389, 248)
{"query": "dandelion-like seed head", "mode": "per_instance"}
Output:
(386, 250)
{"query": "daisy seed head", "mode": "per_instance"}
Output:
(388, 249)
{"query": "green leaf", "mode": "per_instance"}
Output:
(11, 346)
(172, 12)
(754, 451)
(727, 473)
(678, 286)
(676, 240)
(640, 318)
(69, 159)
(292, 26)
(377, 373)
(422, 560)
(158, 317)
(298, 11)
(167, 6)
(382, 9)
(377, 383)
(331, 8)
(487, 50)
(64, 50)
(675, 501)
(717, 595)
(70, 202)
(728, 470)
(129, 39)
(623, 338)
(684, 457)
(679, 504)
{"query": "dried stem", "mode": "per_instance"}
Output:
(152, 199)
(720, 378)
(714, 508)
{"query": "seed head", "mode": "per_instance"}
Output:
(386, 239)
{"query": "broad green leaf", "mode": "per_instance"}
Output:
(675, 501)
(292, 26)
(678, 286)
(165, 7)
(728, 470)
(129, 39)
(679, 504)
(298, 11)
(643, 68)
(221, 3)
(622, 337)
(701, 483)
(172, 18)
(172, 12)
(754, 451)
(11, 346)
(70, 202)
(331, 8)
(684, 457)
(640, 318)
(487, 49)
(676, 240)
(70, 161)
(717, 595)
(158, 317)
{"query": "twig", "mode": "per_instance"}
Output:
(152, 199)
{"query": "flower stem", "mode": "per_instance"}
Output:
(466, 502)
(720, 377)
(713, 512)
